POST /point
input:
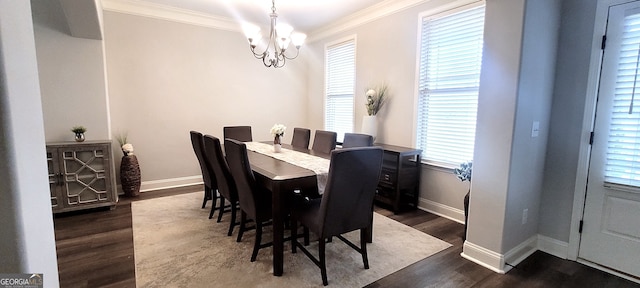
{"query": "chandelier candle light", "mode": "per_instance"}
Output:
(280, 37)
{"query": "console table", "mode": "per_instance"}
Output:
(399, 184)
(80, 175)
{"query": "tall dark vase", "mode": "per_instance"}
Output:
(130, 175)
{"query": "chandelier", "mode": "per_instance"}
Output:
(275, 48)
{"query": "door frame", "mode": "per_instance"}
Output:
(593, 81)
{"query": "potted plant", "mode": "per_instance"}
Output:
(79, 132)
(278, 132)
(464, 174)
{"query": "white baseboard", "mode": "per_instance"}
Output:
(484, 257)
(441, 210)
(554, 247)
(170, 183)
(516, 255)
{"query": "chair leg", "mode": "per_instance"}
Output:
(206, 196)
(323, 262)
(233, 218)
(363, 247)
(243, 220)
(294, 234)
(306, 236)
(256, 245)
(221, 210)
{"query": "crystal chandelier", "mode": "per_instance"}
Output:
(274, 54)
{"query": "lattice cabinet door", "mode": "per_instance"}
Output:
(83, 176)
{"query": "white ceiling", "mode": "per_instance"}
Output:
(303, 15)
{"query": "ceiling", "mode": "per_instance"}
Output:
(304, 15)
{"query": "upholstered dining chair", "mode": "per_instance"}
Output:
(324, 141)
(209, 179)
(226, 184)
(346, 204)
(357, 140)
(255, 201)
(240, 133)
(301, 137)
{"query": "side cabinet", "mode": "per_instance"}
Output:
(80, 175)
(399, 184)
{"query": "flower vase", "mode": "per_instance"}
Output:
(277, 145)
(79, 137)
(130, 175)
(370, 125)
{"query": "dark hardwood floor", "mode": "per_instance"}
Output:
(95, 249)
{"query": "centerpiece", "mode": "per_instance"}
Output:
(278, 132)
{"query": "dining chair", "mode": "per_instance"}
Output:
(255, 200)
(346, 204)
(226, 184)
(357, 140)
(210, 184)
(301, 137)
(324, 141)
(240, 133)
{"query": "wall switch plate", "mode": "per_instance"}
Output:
(535, 129)
(525, 216)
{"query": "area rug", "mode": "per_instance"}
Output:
(176, 245)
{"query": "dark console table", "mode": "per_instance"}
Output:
(399, 184)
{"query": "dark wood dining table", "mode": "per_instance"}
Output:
(281, 178)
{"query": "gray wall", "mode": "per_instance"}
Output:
(27, 242)
(167, 78)
(574, 52)
(72, 76)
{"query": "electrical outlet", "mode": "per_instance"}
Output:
(525, 216)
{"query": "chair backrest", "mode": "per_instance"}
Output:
(197, 142)
(347, 201)
(226, 184)
(324, 141)
(240, 133)
(238, 160)
(301, 137)
(357, 140)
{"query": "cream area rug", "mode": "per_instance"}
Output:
(176, 245)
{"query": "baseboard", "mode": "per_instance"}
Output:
(516, 255)
(169, 183)
(554, 247)
(484, 257)
(441, 210)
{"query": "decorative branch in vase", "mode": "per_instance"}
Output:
(376, 98)
(464, 174)
(278, 132)
(129, 168)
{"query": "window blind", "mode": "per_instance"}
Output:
(340, 81)
(450, 62)
(623, 146)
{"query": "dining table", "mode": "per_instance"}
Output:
(282, 179)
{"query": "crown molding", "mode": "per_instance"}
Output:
(164, 12)
(364, 16)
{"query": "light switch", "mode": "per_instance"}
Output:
(535, 129)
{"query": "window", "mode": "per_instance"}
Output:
(623, 159)
(340, 81)
(449, 78)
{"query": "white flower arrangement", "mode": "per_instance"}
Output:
(464, 171)
(127, 148)
(375, 99)
(278, 129)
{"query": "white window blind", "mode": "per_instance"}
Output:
(450, 61)
(340, 76)
(623, 147)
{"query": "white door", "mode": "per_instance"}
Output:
(611, 221)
